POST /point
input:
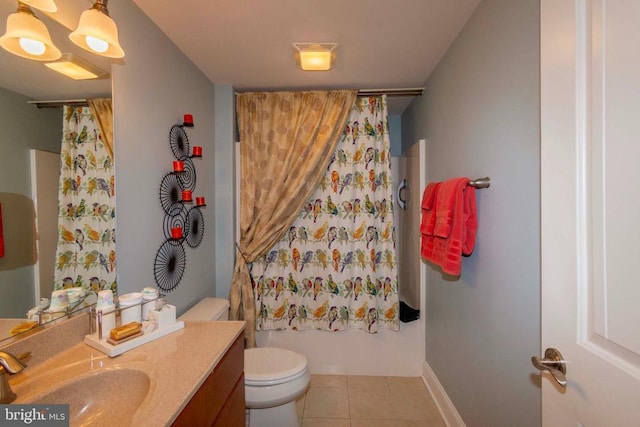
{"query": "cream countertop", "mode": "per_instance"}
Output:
(177, 364)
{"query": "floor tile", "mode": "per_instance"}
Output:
(367, 401)
(358, 382)
(412, 400)
(406, 381)
(370, 398)
(395, 423)
(326, 422)
(335, 381)
(326, 402)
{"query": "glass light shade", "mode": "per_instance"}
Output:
(21, 26)
(315, 61)
(97, 25)
(315, 57)
(44, 5)
(75, 68)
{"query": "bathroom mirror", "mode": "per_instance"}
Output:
(25, 127)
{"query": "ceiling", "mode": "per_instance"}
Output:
(248, 43)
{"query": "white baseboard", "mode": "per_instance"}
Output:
(449, 413)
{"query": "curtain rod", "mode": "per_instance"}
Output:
(407, 91)
(410, 91)
(60, 103)
(415, 91)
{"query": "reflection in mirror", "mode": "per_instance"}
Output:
(24, 128)
(85, 256)
(30, 138)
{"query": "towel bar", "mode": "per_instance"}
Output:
(480, 183)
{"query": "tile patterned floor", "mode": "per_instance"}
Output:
(359, 401)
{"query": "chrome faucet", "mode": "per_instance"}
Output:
(10, 364)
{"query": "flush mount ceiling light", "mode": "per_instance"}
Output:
(76, 68)
(28, 37)
(97, 32)
(315, 56)
(43, 5)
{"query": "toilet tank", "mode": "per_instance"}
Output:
(208, 309)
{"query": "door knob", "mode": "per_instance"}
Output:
(553, 363)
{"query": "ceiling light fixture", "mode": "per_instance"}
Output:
(76, 68)
(97, 32)
(43, 5)
(28, 37)
(315, 56)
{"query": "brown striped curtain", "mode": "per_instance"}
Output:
(286, 142)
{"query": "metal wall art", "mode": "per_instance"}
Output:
(182, 222)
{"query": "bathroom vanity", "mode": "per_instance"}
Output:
(220, 399)
(193, 376)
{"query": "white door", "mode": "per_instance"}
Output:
(590, 114)
(45, 174)
(412, 271)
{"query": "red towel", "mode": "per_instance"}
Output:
(428, 213)
(449, 223)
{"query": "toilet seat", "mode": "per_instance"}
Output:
(265, 366)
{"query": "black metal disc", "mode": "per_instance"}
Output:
(194, 227)
(187, 179)
(169, 266)
(179, 142)
(177, 217)
(170, 192)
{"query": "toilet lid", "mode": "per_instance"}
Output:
(268, 365)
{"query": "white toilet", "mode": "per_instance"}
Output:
(273, 377)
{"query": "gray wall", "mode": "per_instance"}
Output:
(23, 127)
(225, 200)
(480, 116)
(395, 135)
(152, 90)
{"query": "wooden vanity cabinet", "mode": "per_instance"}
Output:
(220, 400)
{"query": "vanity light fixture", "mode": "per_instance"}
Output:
(76, 68)
(28, 37)
(315, 56)
(43, 5)
(97, 32)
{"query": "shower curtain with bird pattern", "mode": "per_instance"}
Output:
(336, 267)
(85, 255)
